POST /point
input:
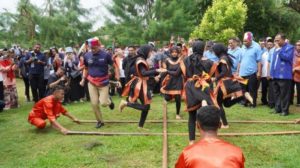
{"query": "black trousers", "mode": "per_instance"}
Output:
(143, 107)
(297, 84)
(177, 101)
(271, 95)
(251, 87)
(298, 92)
(192, 125)
(292, 92)
(37, 86)
(27, 85)
(264, 90)
(282, 91)
(120, 89)
(1, 96)
(222, 111)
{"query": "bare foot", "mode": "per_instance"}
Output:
(248, 97)
(297, 121)
(178, 117)
(192, 142)
(122, 105)
(143, 129)
(225, 126)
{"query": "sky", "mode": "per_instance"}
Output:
(97, 6)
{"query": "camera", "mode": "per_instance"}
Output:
(33, 56)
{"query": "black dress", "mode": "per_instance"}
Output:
(173, 81)
(228, 84)
(197, 87)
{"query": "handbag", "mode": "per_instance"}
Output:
(75, 73)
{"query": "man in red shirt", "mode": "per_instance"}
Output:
(210, 151)
(50, 108)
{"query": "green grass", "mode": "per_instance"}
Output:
(21, 145)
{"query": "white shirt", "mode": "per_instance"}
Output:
(264, 63)
(1, 77)
(122, 73)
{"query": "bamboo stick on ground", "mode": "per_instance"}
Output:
(165, 138)
(235, 134)
(184, 121)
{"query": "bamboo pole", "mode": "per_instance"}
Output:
(184, 121)
(182, 134)
(165, 137)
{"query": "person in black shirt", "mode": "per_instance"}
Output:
(36, 62)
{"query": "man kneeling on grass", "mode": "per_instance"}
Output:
(210, 151)
(50, 108)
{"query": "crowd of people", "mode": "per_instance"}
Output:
(198, 72)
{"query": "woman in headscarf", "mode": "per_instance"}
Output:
(172, 84)
(7, 68)
(197, 70)
(137, 87)
(228, 90)
(74, 76)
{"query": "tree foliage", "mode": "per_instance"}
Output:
(224, 19)
(57, 24)
(139, 21)
(268, 17)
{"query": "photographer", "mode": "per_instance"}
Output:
(58, 79)
(36, 62)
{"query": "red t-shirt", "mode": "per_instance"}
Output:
(47, 108)
(211, 153)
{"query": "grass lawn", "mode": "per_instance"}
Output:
(21, 145)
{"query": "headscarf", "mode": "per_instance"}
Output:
(198, 47)
(220, 50)
(174, 48)
(144, 51)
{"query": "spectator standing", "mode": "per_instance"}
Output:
(282, 74)
(36, 62)
(250, 66)
(8, 67)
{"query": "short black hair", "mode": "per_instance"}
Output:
(282, 36)
(209, 118)
(58, 87)
(131, 46)
(236, 39)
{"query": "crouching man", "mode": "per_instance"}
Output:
(50, 108)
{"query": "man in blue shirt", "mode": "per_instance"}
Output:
(250, 66)
(209, 54)
(36, 62)
(282, 74)
(96, 72)
(235, 53)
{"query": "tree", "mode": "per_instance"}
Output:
(224, 19)
(268, 17)
(139, 21)
(57, 24)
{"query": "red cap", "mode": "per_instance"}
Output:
(95, 42)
